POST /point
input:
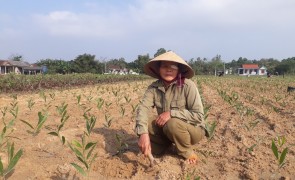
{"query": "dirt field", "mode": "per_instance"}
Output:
(250, 113)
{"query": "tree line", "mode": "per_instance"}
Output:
(87, 63)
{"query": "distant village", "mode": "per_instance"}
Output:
(21, 67)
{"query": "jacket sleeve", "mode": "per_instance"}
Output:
(194, 113)
(145, 105)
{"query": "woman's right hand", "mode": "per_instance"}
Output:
(145, 144)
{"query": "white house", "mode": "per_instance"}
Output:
(251, 69)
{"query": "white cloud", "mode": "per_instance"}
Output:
(191, 27)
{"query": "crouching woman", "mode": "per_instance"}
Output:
(180, 115)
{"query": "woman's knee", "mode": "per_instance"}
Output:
(173, 125)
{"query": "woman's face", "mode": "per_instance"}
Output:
(168, 70)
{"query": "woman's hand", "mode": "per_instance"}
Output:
(145, 144)
(163, 118)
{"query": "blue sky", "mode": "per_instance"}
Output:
(64, 29)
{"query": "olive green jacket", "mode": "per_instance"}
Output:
(183, 103)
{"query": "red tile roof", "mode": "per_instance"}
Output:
(250, 66)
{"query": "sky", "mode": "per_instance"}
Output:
(109, 29)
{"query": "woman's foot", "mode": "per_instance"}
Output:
(192, 159)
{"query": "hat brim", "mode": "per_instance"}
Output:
(152, 67)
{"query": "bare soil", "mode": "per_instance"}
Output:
(226, 156)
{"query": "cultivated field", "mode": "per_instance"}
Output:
(65, 133)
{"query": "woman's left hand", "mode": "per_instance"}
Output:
(163, 118)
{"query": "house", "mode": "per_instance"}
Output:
(115, 69)
(251, 69)
(18, 67)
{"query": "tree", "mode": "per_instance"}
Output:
(287, 66)
(85, 63)
(141, 61)
(55, 66)
(15, 57)
(159, 52)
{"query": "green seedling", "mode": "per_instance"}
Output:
(134, 107)
(108, 105)
(210, 127)
(121, 145)
(280, 156)
(83, 152)
(90, 123)
(89, 98)
(43, 96)
(252, 124)
(108, 121)
(31, 103)
(115, 93)
(52, 95)
(78, 99)
(122, 111)
(36, 130)
(251, 148)
(12, 160)
(100, 103)
(127, 99)
(4, 111)
(62, 111)
(192, 176)
(206, 111)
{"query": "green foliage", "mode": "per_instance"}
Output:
(31, 103)
(90, 123)
(100, 103)
(62, 111)
(84, 153)
(159, 52)
(36, 130)
(108, 121)
(210, 127)
(12, 160)
(280, 156)
(122, 146)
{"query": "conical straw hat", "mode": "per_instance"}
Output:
(152, 67)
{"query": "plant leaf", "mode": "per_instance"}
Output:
(14, 160)
(1, 167)
(79, 169)
(27, 123)
(76, 143)
(275, 149)
(283, 156)
(82, 161)
(53, 133)
(89, 145)
(63, 139)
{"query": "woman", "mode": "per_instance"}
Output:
(180, 116)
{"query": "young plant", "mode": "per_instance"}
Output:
(108, 121)
(90, 123)
(31, 103)
(280, 156)
(251, 148)
(100, 103)
(251, 125)
(52, 95)
(62, 110)
(83, 152)
(210, 127)
(127, 99)
(12, 160)
(36, 130)
(121, 145)
(43, 96)
(192, 176)
(122, 111)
